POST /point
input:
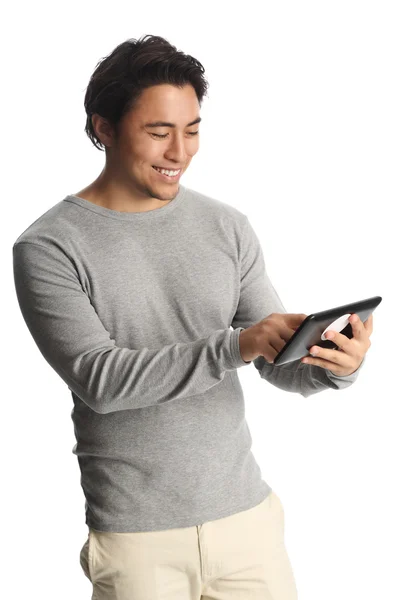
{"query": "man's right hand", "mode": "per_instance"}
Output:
(269, 336)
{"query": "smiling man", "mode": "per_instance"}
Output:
(143, 294)
(145, 158)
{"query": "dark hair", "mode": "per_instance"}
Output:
(134, 65)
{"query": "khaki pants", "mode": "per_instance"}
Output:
(239, 557)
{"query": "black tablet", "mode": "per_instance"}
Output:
(311, 331)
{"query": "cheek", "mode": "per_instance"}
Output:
(142, 149)
(193, 148)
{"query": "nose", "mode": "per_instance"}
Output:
(176, 150)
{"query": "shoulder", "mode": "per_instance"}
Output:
(206, 206)
(53, 227)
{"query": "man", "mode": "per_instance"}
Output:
(146, 297)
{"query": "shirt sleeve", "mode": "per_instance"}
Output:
(258, 299)
(72, 339)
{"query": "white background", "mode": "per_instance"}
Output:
(304, 97)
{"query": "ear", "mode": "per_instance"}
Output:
(103, 129)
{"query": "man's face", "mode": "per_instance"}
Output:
(139, 147)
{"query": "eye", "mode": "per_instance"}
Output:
(165, 135)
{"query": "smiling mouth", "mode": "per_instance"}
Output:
(167, 177)
(165, 169)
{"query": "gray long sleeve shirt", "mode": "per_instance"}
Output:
(140, 316)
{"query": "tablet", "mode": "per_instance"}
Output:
(312, 329)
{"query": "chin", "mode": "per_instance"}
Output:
(162, 194)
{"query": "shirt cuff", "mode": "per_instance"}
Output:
(237, 359)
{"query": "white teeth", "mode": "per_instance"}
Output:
(167, 172)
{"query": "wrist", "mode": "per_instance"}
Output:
(247, 345)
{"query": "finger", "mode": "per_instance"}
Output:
(368, 324)
(275, 342)
(294, 320)
(287, 332)
(344, 364)
(295, 323)
(360, 332)
(341, 340)
(337, 357)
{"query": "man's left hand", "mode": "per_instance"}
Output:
(350, 353)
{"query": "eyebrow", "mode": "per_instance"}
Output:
(166, 124)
